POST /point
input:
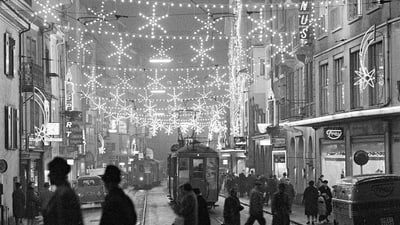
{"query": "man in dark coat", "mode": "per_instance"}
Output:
(310, 201)
(32, 204)
(187, 207)
(327, 194)
(232, 209)
(203, 215)
(18, 199)
(64, 207)
(280, 207)
(118, 208)
(256, 205)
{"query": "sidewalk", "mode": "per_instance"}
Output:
(296, 217)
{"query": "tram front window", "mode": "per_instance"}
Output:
(198, 168)
(183, 170)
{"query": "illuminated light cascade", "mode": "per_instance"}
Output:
(366, 78)
(101, 18)
(153, 21)
(47, 11)
(202, 53)
(80, 46)
(120, 50)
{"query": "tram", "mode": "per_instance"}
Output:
(145, 173)
(197, 164)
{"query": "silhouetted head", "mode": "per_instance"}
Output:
(112, 174)
(58, 170)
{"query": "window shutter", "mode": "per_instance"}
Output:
(8, 131)
(6, 54)
(11, 46)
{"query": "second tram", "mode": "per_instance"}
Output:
(197, 164)
(145, 173)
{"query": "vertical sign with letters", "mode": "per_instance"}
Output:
(69, 93)
(304, 19)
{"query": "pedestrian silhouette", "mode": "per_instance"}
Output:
(63, 208)
(203, 215)
(280, 206)
(310, 201)
(32, 203)
(118, 208)
(45, 196)
(232, 208)
(18, 199)
(256, 205)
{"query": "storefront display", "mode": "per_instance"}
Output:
(333, 161)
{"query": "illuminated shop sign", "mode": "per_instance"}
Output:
(334, 133)
(69, 93)
(304, 19)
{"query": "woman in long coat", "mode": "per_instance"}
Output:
(280, 207)
(32, 204)
(310, 200)
(18, 199)
(232, 208)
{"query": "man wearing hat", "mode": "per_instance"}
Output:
(256, 205)
(118, 208)
(63, 208)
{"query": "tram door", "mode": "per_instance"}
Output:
(198, 175)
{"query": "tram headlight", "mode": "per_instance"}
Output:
(141, 178)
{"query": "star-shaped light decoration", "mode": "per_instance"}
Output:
(99, 105)
(124, 81)
(188, 80)
(282, 49)
(47, 10)
(41, 133)
(169, 129)
(261, 24)
(145, 97)
(199, 106)
(204, 95)
(101, 17)
(208, 25)
(117, 97)
(152, 21)
(365, 78)
(92, 82)
(120, 50)
(161, 56)
(202, 53)
(218, 79)
(175, 99)
(155, 83)
(80, 47)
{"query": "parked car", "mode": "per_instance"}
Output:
(90, 189)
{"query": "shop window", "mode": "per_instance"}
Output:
(9, 45)
(376, 153)
(355, 90)
(323, 72)
(333, 160)
(376, 62)
(339, 85)
(11, 127)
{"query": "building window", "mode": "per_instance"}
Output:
(262, 67)
(339, 85)
(323, 74)
(355, 90)
(335, 18)
(11, 127)
(372, 4)
(309, 88)
(376, 62)
(322, 19)
(31, 49)
(354, 9)
(9, 45)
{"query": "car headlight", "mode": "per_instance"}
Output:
(141, 178)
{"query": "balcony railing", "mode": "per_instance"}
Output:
(32, 76)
